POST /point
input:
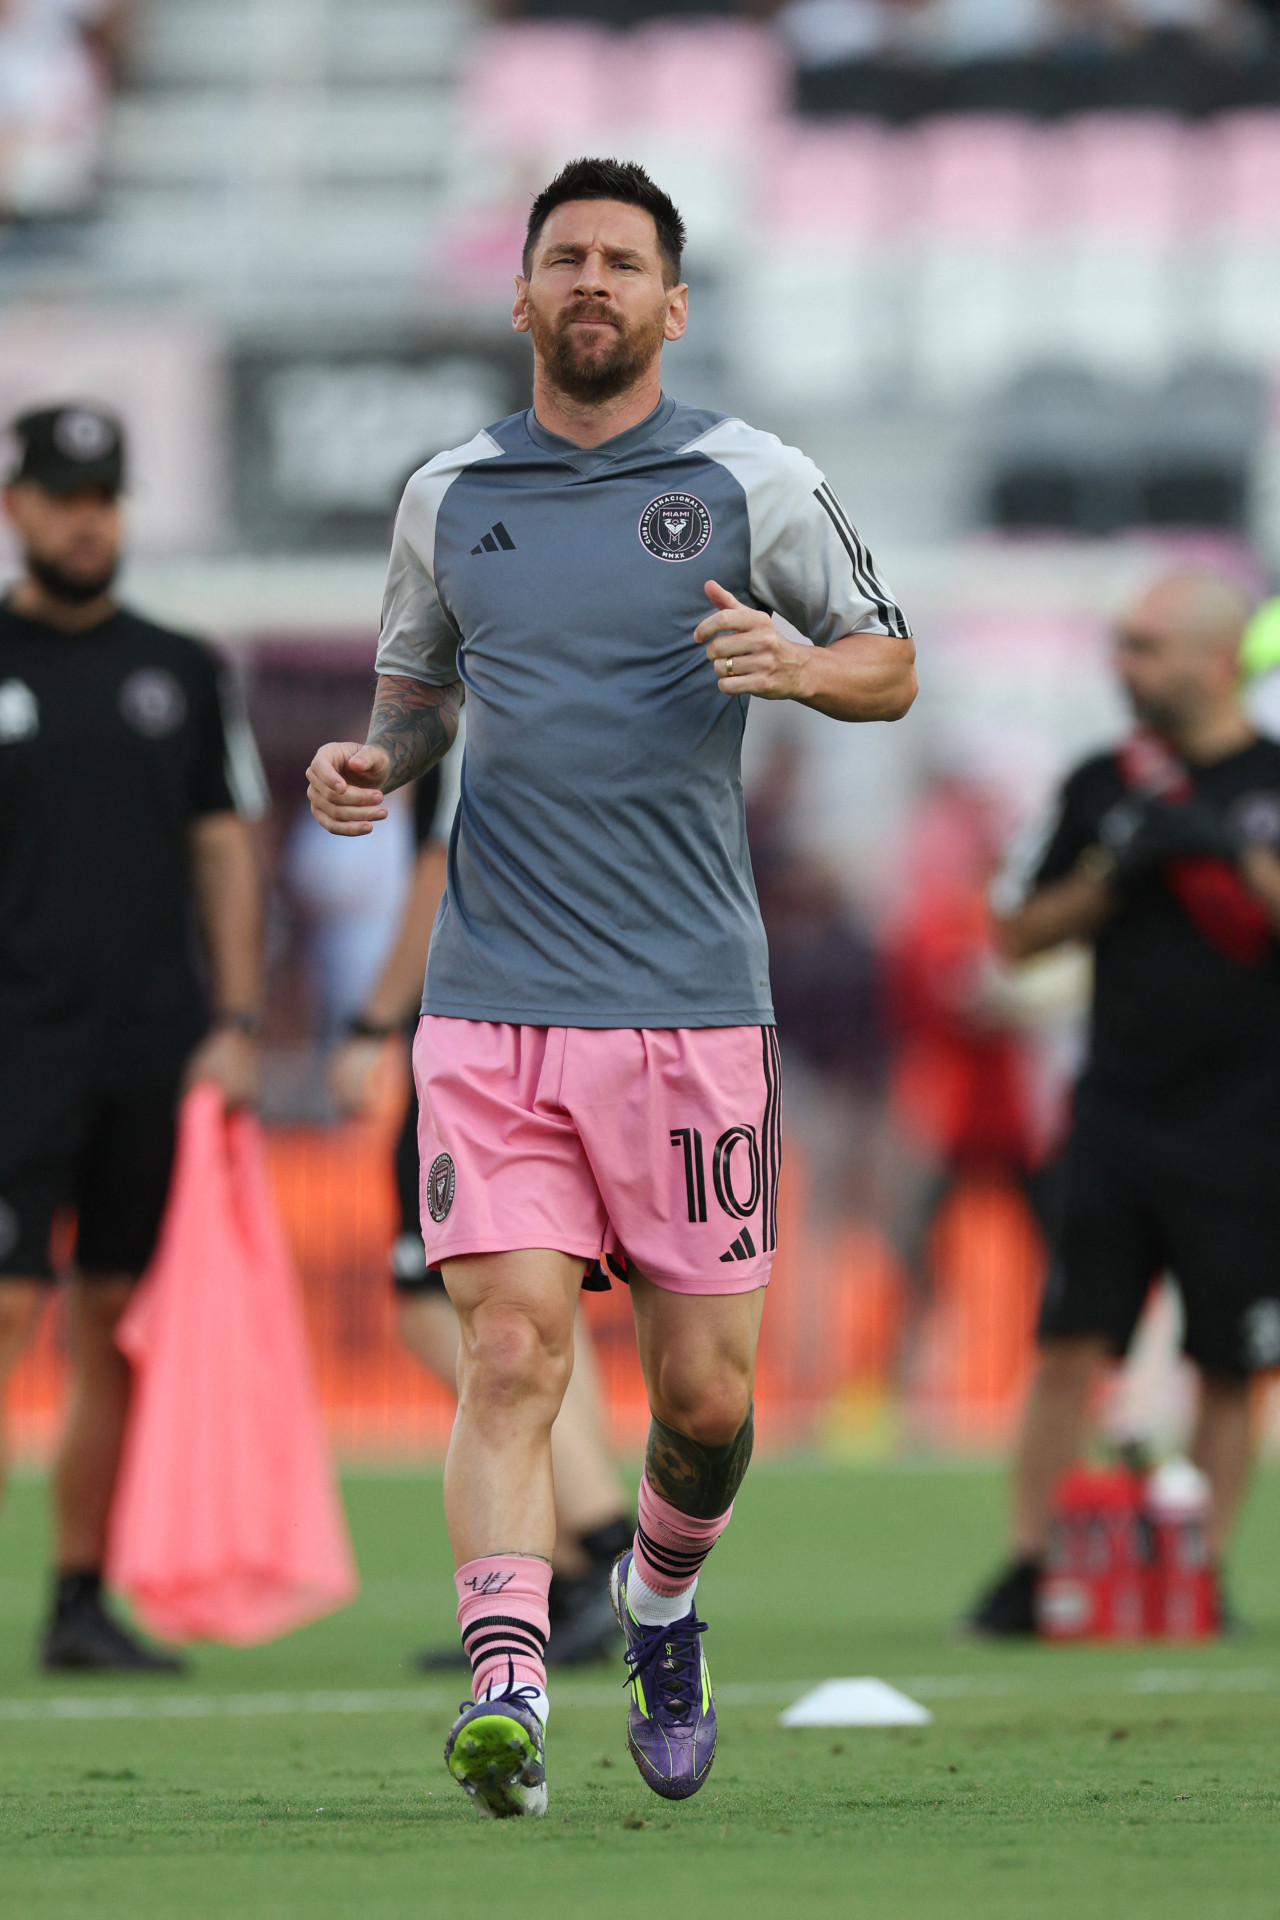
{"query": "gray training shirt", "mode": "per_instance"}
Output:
(598, 865)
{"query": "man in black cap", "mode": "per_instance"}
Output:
(125, 830)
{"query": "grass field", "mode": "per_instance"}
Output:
(305, 1779)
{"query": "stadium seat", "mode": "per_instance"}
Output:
(843, 183)
(1125, 196)
(232, 42)
(1128, 174)
(212, 136)
(1247, 151)
(977, 200)
(530, 87)
(819, 329)
(979, 176)
(716, 79)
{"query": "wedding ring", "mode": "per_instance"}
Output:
(731, 668)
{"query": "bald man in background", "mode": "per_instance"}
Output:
(1163, 856)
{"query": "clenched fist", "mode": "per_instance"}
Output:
(344, 786)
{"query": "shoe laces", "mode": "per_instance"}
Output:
(525, 1695)
(667, 1660)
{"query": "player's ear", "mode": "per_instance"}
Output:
(520, 311)
(677, 312)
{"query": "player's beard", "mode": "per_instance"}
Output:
(585, 371)
(73, 589)
(1165, 713)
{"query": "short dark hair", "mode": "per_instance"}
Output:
(622, 180)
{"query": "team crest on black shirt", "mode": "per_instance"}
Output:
(440, 1185)
(153, 703)
(1257, 815)
(19, 711)
(675, 526)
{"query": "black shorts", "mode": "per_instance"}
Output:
(410, 1273)
(80, 1136)
(1197, 1196)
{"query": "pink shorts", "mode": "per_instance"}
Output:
(658, 1143)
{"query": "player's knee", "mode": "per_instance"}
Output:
(512, 1356)
(711, 1410)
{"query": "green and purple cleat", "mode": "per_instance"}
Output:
(671, 1724)
(496, 1753)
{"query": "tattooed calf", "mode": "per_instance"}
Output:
(697, 1479)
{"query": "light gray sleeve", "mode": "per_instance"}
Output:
(418, 637)
(808, 562)
(246, 776)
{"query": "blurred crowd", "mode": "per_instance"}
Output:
(821, 33)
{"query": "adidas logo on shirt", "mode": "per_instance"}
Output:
(497, 540)
(743, 1248)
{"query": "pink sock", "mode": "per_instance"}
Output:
(502, 1612)
(671, 1546)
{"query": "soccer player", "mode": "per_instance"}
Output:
(592, 1528)
(121, 828)
(1164, 856)
(596, 1064)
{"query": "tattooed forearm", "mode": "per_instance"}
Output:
(700, 1481)
(414, 723)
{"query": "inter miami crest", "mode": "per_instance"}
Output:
(440, 1183)
(675, 526)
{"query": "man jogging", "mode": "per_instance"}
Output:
(1163, 856)
(596, 1066)
(122, 829)
(592, 1527)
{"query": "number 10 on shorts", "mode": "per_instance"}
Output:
(739, 1139)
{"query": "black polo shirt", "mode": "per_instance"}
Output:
(1174, 1017)
(112, 742)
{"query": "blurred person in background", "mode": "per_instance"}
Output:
(592, 1525)
(54, 60)
(349, 899)
(123, 828)
(1260, 667)
(1164, 856)
(961, 1078)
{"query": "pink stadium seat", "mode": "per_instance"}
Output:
(1128, 174)
(718, 78)
(837, 182)
(1248, 172)
(978, 177)
(534, 84)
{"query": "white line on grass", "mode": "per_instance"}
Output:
(233, 1706)
(740, 1693)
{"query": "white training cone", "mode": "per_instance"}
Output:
(855, 1703)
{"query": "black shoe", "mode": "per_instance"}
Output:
(583, 1624)
(1008, 1607)
(87, 1640)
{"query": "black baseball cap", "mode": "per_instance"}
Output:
(69, 447)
